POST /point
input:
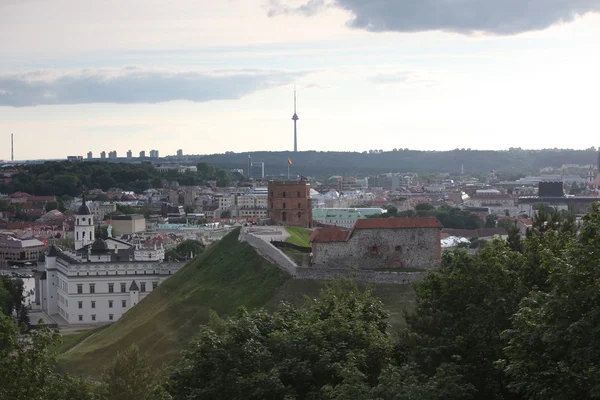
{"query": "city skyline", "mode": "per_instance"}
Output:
(218, 77)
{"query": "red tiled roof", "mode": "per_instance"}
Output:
(328, 235)
(17, 195)
(398, 223)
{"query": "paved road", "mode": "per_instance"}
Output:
(269, 233)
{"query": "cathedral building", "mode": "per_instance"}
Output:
(100, 279)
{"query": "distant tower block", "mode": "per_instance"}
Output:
(129, 154)
(180, 153)
(12, 147)
(295, 118)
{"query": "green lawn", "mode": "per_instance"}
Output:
(70, 340)
(227, 275)
(299, 236)
(296, 255)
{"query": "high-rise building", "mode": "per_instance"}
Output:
(129, 154)
(142, 154)
(112, 154)
(179, 153)
(90, 155)
(103, 155)
(153, 153)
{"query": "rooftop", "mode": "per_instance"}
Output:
(328, 235)
(128, 217)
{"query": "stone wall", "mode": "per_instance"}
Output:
(361, 275)
(382, 248)
(269, 252)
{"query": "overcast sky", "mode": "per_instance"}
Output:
(213, 76)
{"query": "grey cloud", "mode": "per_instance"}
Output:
(133, 85)
(503, 17)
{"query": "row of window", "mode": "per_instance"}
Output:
(111, 317)
(284, 194)
(110, 304)
(111, 287)
(117, 272)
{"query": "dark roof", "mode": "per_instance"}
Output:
(53, 251)
(134, 286)
(44, 276)
(398, 223)
(99, 246)
(83, 209)
(328, 235)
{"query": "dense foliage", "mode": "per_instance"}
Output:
(450, 217)
(185, 250)
(71, 178)
(508, 164)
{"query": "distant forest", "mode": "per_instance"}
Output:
(323, 163)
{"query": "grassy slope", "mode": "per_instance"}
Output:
(299, 236)
(227, 275)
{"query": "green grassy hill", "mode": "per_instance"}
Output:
(298, 236)
(228, 274)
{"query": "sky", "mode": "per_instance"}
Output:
(211, 76)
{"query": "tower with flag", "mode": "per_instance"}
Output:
(289, 164)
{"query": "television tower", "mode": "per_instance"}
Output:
(295, 119)
(12, 147)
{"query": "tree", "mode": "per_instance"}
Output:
(51, 205)
(553, 351)
(226, 214)
(185, 249)
(491, 220)
(424, 207)
(460, 315)
(293, 353)
(28, 368)
(130, 376)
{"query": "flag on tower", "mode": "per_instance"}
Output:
(289, 161)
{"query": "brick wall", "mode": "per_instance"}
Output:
(289, 203)
(382, 248)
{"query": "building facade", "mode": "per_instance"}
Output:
(128, 224)
(99, 281)
(290, 203)
(380, 243)
(16, 251)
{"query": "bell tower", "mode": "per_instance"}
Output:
(84, 226)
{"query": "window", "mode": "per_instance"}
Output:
(80, 304)
(154, 285)
(299, 205)
(123, 288)
(298, 194)
(79, 288)
(123, 303)
(299, 215)
(142, 287)
(284, 216)
(374, 250)
(283, 194)
(93, 304)
(283, 205)
(398, 249)
(81, 317)
(111, 286)
(110, 317)
(110, 304)
(92, 288)
(93, 317)
(271, 194)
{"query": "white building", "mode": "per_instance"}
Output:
(101, 279)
